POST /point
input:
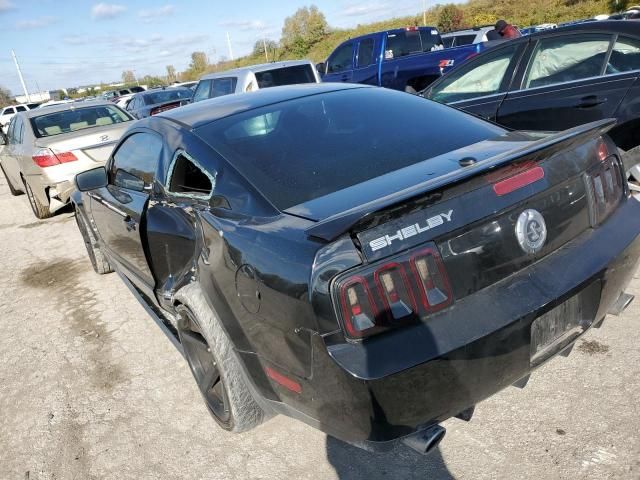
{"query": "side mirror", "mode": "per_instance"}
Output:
(92, 179)
(3, 138)
(321, 68)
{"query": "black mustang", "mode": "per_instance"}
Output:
(361, 259)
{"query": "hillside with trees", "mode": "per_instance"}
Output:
(306, 33)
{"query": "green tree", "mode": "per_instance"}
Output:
(199, 62)
(5, 97)
(128, 77)
(303, 30)
(171, 74)
(450, 18)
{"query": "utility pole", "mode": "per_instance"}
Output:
(424, 13)
(229, 45)
(24, 86)
(264, 45)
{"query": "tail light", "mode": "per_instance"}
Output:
(605, 185)
(397, 292)
(47, 158)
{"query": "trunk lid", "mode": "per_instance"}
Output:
(95, 143)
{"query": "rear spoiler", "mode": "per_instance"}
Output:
(332, 227)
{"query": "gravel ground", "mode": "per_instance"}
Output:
(90, 389)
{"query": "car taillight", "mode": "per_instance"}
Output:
(47, 158)
(385, 296)
(605, 185)
(164, 108)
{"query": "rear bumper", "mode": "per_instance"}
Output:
(389, 387)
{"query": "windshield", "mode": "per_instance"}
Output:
(77, 119)
(285, 76)
(302, 149)
(167, 95)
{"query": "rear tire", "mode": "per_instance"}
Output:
(39, 210)
(214, 364)
(14, 191)
(98, 261)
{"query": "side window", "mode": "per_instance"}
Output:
(222, 86)
(21, 108)
(9, 111)
(625, 56)
(563, 59)
(134, 163)
(448, 42)
(202, 91)
(187, 178)
(19, 132)
(15, 132)
(476, 80)
(403, 43)
(465, 39)
(365, 53)
(342, 59)
(10, 130)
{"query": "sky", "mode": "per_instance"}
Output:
(68, 43)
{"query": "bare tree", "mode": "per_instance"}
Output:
(171, 74)
(128, 77)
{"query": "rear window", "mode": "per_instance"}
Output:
(167, 96)
(306, 148)
(465, 39)
(223, 86)
(77, 119)
(136, 89)
(285, 76)
(408, 42)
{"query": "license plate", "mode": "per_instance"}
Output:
(555, 329)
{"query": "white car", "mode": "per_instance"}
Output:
(465, 37)
(7, 113)
(255, 77)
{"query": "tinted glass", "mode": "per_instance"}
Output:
(168, 95)
(9, 111)
(482, 77)
(14, 130)
(305, 148)
(448, 42)
(77, 119)
(563, 59)
(19, 130)
(430, 39)
(342, 59)
(285, 76)
(365, 52)
(402, 43)
(21, 109)
(465, 39)
(625, 56)
(202, 90)
(136, 89)
(10, 129)
(220, 87)
(138, 155)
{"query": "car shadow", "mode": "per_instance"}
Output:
(401, 463)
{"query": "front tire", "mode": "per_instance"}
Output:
(14, 191)
(98, 261)
(39, 210)
(214, 364)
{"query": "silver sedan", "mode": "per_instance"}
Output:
(45, 148)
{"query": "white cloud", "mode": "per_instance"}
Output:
(366, 9)
(107, 10)
(151, 13)
(245, 25)
(6, 5)
(36, 23)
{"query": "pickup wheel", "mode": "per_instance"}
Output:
(39, 210)
(214, 363)
(14, 191)
(98, 261)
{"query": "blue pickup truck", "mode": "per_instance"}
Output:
(406, 59)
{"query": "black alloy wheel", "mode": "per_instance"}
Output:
(204, 367)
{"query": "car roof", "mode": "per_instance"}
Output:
(467, 31)
(64, 107)
(261, 67)
(206, 111)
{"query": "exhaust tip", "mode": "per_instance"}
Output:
(425, 441)
(621, 304)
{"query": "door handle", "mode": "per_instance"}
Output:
(590, 101)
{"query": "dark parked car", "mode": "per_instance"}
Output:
(554, 80)
(160, 100)
(315, 251)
